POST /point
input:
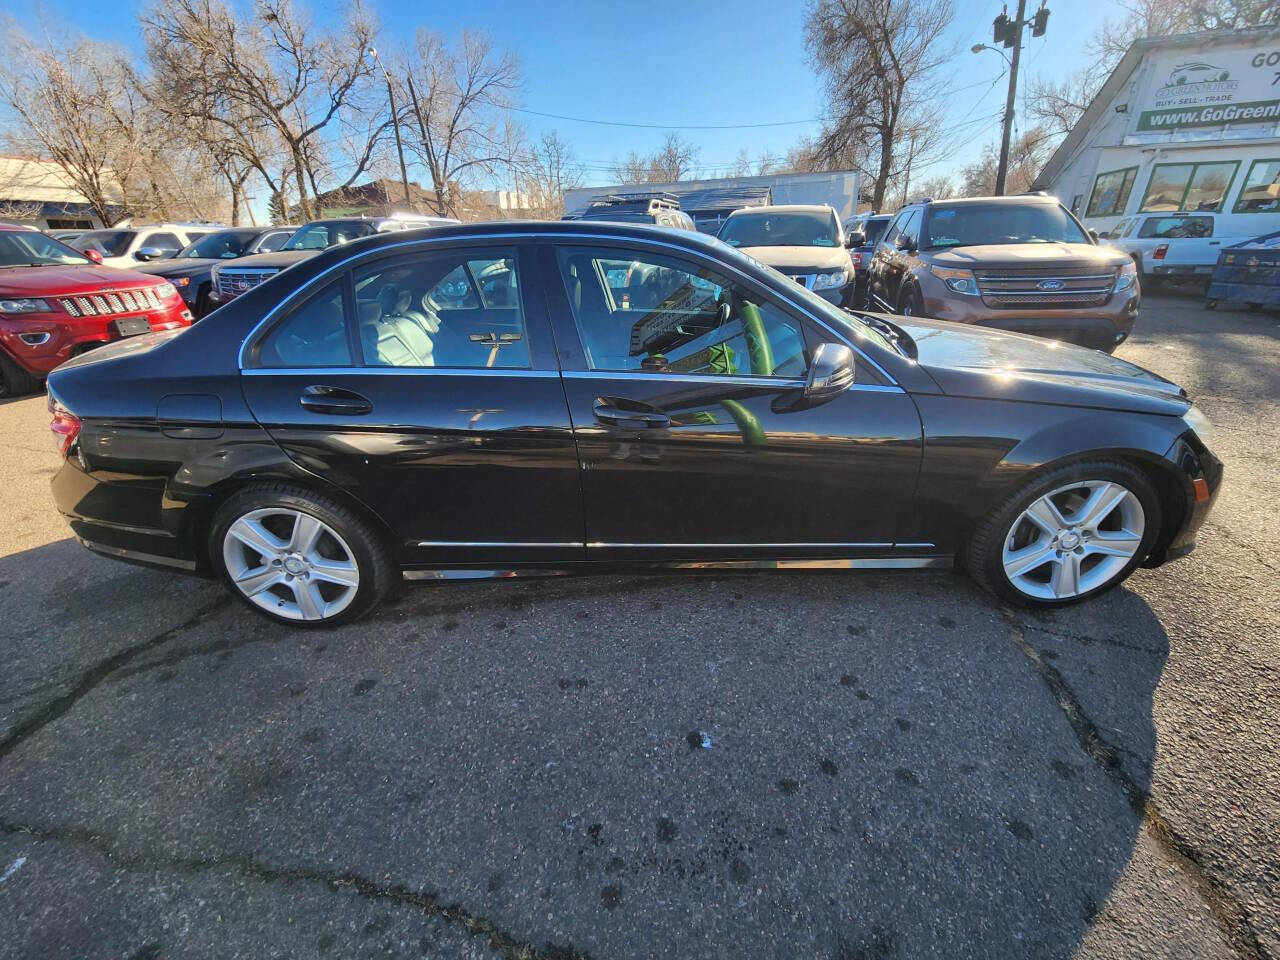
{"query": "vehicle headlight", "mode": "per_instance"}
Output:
(828, 281)
(957, 281)
(181, 281)
(1126, 278)
(26, 305)
(166, 290)
(1199, 424)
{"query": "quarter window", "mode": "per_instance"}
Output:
(1172, 228)
(1261, 190)
(313, 335)
(1110, 193)
(458, 308)
(654, 313)
(1188, 186)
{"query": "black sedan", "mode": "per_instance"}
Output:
(534, 397)
(191, 268)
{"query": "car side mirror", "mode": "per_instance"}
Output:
(1096, 236)
(855, 239)
(148, 253)
(905, 244)
(830, 373)
(93, 255)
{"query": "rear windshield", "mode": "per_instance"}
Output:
(318, 236)
(109, 243)
(974, 224)
(790, 229)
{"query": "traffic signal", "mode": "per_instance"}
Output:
(1000, 30)
(1040, 21)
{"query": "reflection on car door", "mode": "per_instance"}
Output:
(426, 386)
(684, 386)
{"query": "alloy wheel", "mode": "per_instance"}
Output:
(290, 564)
(1073, 540)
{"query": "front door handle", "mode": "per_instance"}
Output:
(321, 399)
(614, 416)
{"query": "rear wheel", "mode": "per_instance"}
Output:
(299, 558)
(14, 381)
(1069, 534)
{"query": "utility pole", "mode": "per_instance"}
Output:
(395, 125)
(1015, 29)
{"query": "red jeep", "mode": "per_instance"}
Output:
(56, 302)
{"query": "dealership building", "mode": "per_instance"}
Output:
(1184, 123)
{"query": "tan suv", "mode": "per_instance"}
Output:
(1016, 263)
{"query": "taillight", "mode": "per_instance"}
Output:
(65, 425)
(1160, 252)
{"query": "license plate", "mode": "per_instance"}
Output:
(132, 326)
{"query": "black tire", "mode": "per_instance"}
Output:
(982, 554)
(14, 381)
(202, 304)
(378, 574)
(911, 303)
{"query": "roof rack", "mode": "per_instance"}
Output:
(613, 199)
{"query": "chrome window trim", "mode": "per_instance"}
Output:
(398, 371)
(429, 241)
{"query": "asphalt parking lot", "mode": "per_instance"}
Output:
(790, 765)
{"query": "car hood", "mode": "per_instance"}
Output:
(71, 278)
(808, 258)
(987, 255)
(974, 361)
(177, 268)
(280, 259)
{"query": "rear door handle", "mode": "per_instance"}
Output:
(321, 399)
(614, 416)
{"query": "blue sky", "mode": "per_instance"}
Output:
(676, 62)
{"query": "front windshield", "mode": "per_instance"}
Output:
(975, 224)
(223, 245)
(320, 236)
(27, 248)
(790, 229)
(109, 243)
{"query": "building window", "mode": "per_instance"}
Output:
(1111, 193)
(1261, 190)
(1189, 186)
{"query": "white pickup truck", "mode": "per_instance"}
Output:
(1174, 246)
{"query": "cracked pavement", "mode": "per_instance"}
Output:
(898, 766)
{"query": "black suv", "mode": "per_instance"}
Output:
(662, 209)
(870, 227)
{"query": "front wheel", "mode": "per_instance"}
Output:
(14, 381)
(299, 558)
(912, 304)
(1066, 535)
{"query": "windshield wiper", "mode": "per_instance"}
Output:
(902, 341)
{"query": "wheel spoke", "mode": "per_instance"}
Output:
(253, 582)
(256, 537)
(1065, 581)
(306, 531)
(1044, 513)
(310, 603)
(341, 572)
(1098, 507)
(1114, 543)
(1023, 561)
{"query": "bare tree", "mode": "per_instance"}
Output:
(460, 101)
(878, 60)
(675, 160)
(633, 168)
(548, 171)
(938, 188)
(19, 211)
(1027, 155)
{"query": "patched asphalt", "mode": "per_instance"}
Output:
(803, 764)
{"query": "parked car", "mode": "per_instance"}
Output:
(1171, 246)
(130, 246)
(801, 241)
(1021, 263)
(229, 281)
(662, 209)
(862, 233)
(191, 269)
(372, 414)
(55, 303)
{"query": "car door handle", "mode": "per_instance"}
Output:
(321, 399)
(614, 416)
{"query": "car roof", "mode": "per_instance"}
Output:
(1021, 199)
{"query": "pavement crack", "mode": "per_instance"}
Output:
(90, 677)
(508, 946)
(1231, 916)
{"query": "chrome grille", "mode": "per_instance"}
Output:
(1062, 288)
(232, 283)
(111, 302)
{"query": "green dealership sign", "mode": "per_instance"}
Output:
(1210, 115)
